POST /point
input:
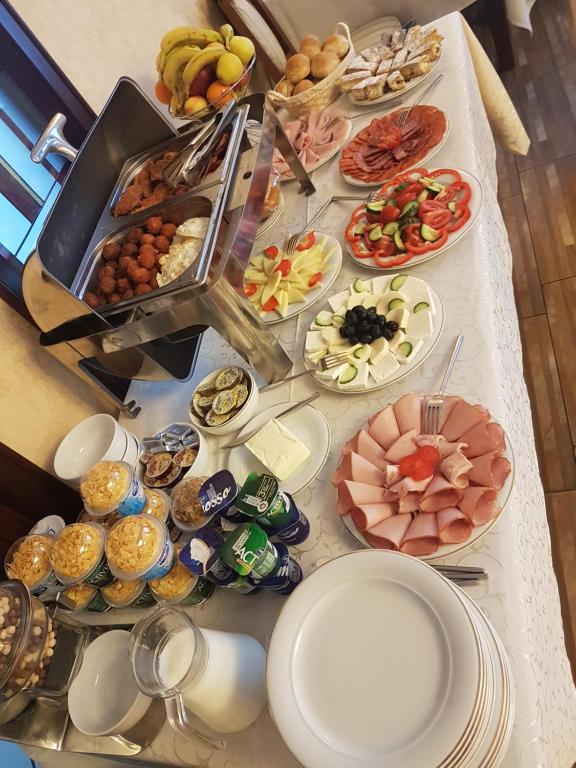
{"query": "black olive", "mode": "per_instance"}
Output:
(381, 321)
(388, 334)
(372, 312)
(351, 316)
(360, 310)
(366, 338)
(344, 330)
(354, 339)
(376, 331)
(364, 327)
(392, 325)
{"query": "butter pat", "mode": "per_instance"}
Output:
(278, 449)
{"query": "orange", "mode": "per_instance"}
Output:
(219, 94)
(162, 92)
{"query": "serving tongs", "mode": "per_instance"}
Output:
(182, 168)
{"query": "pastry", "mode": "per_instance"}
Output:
(348, 82)
(395, 81)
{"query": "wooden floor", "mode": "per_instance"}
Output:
(538, 199)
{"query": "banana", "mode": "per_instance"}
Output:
(175, 63)
(227, 32)
(205, 57)
(163, 58)
(189, 36)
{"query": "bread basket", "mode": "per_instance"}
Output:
(323, 93)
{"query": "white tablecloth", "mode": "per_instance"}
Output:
(474, 279)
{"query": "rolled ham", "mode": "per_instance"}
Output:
(384, 428)
(369, 515)
(409, 503)
(454, 527)
(421, 537)
(479, 504)
(355, 467)
(483, 438)
(403, 446)
(368, 448)
(439, 494)
(497, 434)
(491, 469)
(463, 418)
(455, 469)
(408, 413)
(408, 485)
(389, 533)
(354, 494)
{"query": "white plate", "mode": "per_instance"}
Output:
(323, 160)
(475, 204)
(271, 318)
(309, 426)
(415, 82)
(477, 533)
(419, 164)
(373, 662)
(405, 369)
(273, 218)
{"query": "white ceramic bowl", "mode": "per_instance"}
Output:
(236, 422)
(97, 438)
(104, 698)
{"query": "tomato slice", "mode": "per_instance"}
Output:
(271, 304)
(284, 267)
(411, 235)
(446, 195)
(271, 252)
(250, 289)
(445, 172)
(415, 187)
(307, 242)
(432, 205)
(405, 197)
(428, 453)
(315, 279)
(460, 217)
(389, 213)
(437, 219)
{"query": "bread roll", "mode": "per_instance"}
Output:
(297, 68)
(337, 44)
(323, 63)
(314, 39)
(302, 86)
(285, 88)
(310, 49)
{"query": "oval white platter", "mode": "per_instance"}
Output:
(324, 160)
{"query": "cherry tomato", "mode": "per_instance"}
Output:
(437, 219)
(284, 267)
(416, 467)
(272, 251)
(407, 464)
(422, 471)
(307, 242)
(250, 289)
(405, 197)
(389, 213)
(271, 304)
(314, 280)
(428, 453)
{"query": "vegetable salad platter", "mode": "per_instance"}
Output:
(386, 327)
(416, 216)
(280, 286)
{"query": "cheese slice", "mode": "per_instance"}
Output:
(385, 367)
(314, 341)
(339, 300)
(419, 324)
(278, 449)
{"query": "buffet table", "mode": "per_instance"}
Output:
(474, 279)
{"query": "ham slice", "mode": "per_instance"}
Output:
(367, 447)
(421, 538)
(491, 469)
(393, 474)
(409, 503)
(355, 467)
(497, 434)
(369, 515)
(354, 494)
(453, 526)
(389, 533)
(455, 469)
(479, 504)
(439, 494)
(408, 413)
(463, 418)
(450, 402)
(483, 438)
(402, 447)
(384, 428)
(408, 485)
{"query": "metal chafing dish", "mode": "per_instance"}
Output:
(154, 336)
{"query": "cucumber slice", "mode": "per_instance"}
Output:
(397, 282)
(404, 349)
(375, 206)
(421, 306)
(429, 233)
(375, 233)
(358, 286)
(348, 374)
(398, 242)
(337, 321)
(362, 354)
(452, 206)
(431, 185)
(410, 209)
(391, 228)
(324, 318)
(395, 304)
(423, 196)
(359, 229)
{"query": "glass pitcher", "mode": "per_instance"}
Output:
(206, 677)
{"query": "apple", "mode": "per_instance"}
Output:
(194, 104)
(199, 85)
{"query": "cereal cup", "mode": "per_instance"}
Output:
(28, 560)
(128, 594)
(112, 486)
(78, 555)
(139, 547)
(84, 597)
(181, 587)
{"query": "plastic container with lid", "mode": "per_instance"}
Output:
(139, 547)
(78, 555)
(128, 594)
(181, 586)
(112, 486)
(28, 560)
(84, 597)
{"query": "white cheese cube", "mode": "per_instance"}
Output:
(314, 342)
(423, 298)
(386, 366)
(359, 381)
(413, 287)
(278, 449)
(369, 300)
(419, 324)
(404, 354)
(379, 348)
(332, 337)
(332, 373)
(356, 300)
(399, 316)
(399, 337)
(338, 300)
(315, 357)
(380, 285)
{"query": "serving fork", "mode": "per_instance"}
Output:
(327, 362)
(433, 405)
(405, 112)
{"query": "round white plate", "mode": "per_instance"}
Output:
(420, 164)
(310, 427)
(323, 160)
(273, 218)
(475, 204)
(444, 550)
(271, 318)
(373, 661)
(406, 369)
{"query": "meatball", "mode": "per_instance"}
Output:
(154, 224)
(91, 299)
(159, 260)
(147, 249)
(142, 288)
(106, 271)
(139, 275)
(127, 294)
(153, 282)
(161, 243)
(122, 284)
(112, 263)
(129, 249)
(107, 285)
(114, 298)
(147, 239)
(124, 264)
(168, 230)
(147, 259)
(134, 235)
(111, 251)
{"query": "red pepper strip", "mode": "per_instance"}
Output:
(460, 217)
(387, 261)
(314, 279)
(271, 304)
(284, 267)
(250, 289)
(445, 172)
(307, 242)
(359, 251)
(357, 215)
(464, 188)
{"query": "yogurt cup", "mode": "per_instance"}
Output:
(49, 526)
(128, 594)
(84, 597)
(158, 505)
(28, 560)
(139, 547)
(181, 587)
(78, 555)
(112, 486)
(201, 555)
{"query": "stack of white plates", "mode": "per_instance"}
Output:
(377, 660)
